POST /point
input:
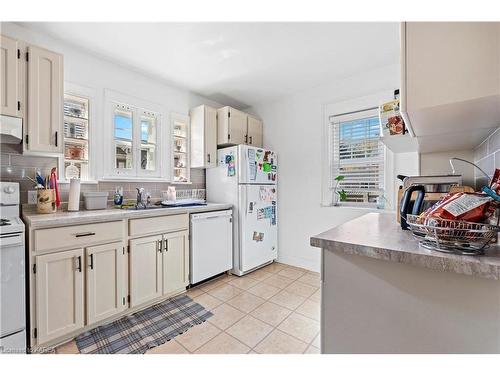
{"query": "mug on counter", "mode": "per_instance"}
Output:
(46, 201)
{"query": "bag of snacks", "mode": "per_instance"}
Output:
(472, 207)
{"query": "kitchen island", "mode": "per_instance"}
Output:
(383, 293)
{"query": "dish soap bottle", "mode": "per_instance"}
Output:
(118, 198)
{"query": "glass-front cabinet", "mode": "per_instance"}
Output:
(76, 137)
(180, 149)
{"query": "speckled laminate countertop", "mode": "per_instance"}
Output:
(62, 217)
(379, 236)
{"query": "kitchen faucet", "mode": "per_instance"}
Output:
(141, 201)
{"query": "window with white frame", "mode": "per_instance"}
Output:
(356, 158)
(135, 141)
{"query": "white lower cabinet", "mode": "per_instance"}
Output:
(159, 266)
(59, 294)
(96, 282)
(106, 281)
(175, 261)
(145, 269)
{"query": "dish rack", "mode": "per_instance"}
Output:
(453, 236)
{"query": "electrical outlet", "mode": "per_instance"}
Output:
(32, 197)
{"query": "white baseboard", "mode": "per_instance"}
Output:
(308, 264)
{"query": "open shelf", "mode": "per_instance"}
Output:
(400, 143)
(76, 135)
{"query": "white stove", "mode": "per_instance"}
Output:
(12, 272)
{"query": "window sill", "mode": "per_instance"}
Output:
(133, 178)
(87, 182)
(181, 183)
(359, 207)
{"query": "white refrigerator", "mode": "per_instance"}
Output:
(247, 178)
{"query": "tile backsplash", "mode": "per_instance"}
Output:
(487, 157)
(15, 167)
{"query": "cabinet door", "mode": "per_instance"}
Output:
(237, 126)
(59, 294)
(105, 281)
(175, 262)
(45, 100)
(8, 76)
(255, 130)
(210, 137)
(448, 62)
(231, 126)
(145, 267)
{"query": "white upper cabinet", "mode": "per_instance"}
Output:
(450, 81)
(254, 131)
(203, 137)
(45, 100)
(236, 127)
(231, 126)
(10, 101)
(31, 87)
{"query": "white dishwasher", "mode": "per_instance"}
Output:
(211, 244)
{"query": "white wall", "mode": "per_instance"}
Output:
(294, 128)
(438, 163)
(84, 69)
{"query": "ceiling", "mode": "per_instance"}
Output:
(237, 64)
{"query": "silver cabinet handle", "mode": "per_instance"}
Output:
(85, 234)
(158, 244)
(251, 139)
(56, 139)
(166, 245)
(208, 158)
(246, 138)
(91, 261)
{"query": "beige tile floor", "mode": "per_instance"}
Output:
(274, 310)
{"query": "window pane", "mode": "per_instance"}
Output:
(123, 123)
(358, 156)
(148, 129)
(148, 143)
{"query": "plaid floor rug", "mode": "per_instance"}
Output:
(145, 329)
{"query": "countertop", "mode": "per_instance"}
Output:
(62, 217)
(379, 236)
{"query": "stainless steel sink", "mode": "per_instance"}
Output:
(134, 208)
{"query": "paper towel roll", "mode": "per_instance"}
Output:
(74, 195)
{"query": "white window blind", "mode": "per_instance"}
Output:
(357, 154)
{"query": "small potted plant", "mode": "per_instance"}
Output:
(338, 195)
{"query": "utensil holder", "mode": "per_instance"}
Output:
(46, 201)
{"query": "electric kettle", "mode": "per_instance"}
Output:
(406, 206)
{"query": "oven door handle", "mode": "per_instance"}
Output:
(11, 239)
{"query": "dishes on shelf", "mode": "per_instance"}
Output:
(74, 152)
(75, 129)
(76, 135)
(75, 106)
(180, 150)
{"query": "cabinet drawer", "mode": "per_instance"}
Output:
(77, 236)
(158, 224)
